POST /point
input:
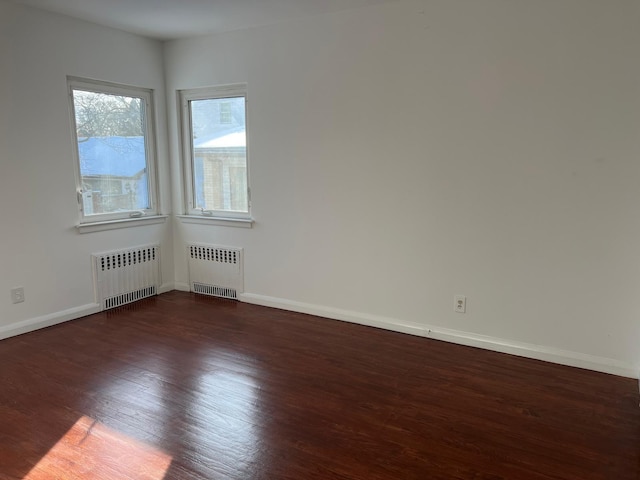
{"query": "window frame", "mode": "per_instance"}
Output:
(185, 97)
(148, 113)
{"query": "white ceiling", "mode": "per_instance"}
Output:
(170, 19)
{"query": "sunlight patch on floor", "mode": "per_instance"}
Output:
(91, 450)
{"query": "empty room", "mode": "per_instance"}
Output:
(319, 239)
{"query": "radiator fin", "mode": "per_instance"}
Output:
(215, 270)
(130, 297)
(215, 254)
(126, 276)
(215, 291)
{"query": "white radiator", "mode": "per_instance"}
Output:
(215, 270)
(125, 276)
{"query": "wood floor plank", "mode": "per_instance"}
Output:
(188, 387)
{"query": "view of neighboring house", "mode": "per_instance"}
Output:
(114, 177)
(220, 167)
(220, 154)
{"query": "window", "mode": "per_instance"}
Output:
(114, 148)
(215, 151)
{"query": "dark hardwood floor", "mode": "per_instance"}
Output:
(189, 387)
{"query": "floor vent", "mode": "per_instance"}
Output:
(215, 291)
(215, 270)
(125, 276)
(131, 297)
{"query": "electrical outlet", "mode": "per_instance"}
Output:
(17, 295)
(460, 304)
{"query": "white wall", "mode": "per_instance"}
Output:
(400, 154)
(404, 153)
(39, 246)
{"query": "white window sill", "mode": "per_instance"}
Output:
(218, 221)
(121, 223)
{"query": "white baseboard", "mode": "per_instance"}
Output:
(333, 313)
(538, 352)
(48, 320)
(166, 287)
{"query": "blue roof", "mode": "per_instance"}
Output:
(115, 156)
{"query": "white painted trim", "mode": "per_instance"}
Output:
(147, 96)
(37, 323)
(44, 321)
(217, 221)
(538, 352)
(166, 287)
(333, 313)
(528, 350)
(121, 223)
(210, 93)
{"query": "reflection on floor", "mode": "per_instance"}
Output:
(92, 450)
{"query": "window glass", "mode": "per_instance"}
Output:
(112, 140)
(216, 134)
